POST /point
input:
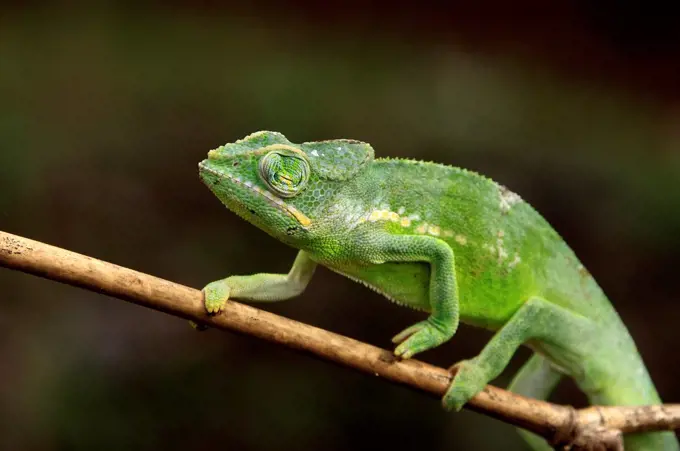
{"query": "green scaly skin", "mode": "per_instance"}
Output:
(442, 240)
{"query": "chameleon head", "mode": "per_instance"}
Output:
(280, 186)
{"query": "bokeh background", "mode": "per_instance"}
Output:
(106, 108)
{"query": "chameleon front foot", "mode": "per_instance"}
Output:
(216, 295)
(469, 380)
(420, 337)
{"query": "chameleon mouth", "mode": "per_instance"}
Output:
(275, 201)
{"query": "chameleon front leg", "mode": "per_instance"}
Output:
(442, 323)
(261, 287)
(537, 319)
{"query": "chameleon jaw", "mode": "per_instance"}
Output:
(275, 201)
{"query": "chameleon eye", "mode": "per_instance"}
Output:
(285, 175)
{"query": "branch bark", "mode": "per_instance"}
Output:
(562, 426)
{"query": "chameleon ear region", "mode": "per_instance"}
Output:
(338, 159)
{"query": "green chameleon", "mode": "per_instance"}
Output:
(438, 239)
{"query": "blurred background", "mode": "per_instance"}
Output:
(107, 107)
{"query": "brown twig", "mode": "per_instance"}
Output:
(558, 424)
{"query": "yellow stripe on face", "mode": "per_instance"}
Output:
(301, 218)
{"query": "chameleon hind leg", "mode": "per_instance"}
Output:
(536, 320)
(536, 379)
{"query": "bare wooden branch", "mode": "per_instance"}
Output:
(560, 425)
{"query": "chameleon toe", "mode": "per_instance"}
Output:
(406, 333)
(418, 338)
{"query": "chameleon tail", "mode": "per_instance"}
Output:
(635, 387)
(536, 379)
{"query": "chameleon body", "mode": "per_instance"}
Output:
(439, 239)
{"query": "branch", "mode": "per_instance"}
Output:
(560, 425)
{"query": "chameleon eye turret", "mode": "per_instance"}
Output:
(284, 174)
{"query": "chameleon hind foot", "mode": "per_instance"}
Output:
(470, 379)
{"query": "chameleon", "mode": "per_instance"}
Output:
(442, 240)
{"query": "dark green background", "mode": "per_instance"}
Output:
(106, 108)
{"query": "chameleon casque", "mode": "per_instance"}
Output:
(442, 240)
